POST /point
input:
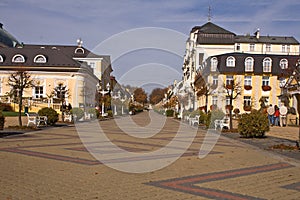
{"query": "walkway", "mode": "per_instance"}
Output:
(54, 164)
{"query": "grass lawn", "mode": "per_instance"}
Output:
(11, 114)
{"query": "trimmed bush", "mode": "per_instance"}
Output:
(51, 114)
(254, 124)
(169, 113)
(77, 113)
(6, 107)
(212, 116)
(94, 112)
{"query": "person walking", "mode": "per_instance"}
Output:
(271, 112)
(283, 112)
(276, 115)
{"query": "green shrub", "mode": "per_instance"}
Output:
(110, 113)
(94, 112)
(216, 114)
(203, 117)
(6, 107)
(51, 114)
(77, 113)
(254, 124)
(169, 113)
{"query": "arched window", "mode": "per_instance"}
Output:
(40, 59)
(1, 59)
(283, 63)
(267, 65)
(214, 64)
(249, 63)
(18, 58)
(230, 61)
(79, 50)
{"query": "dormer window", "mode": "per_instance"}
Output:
(249, 63)
(79, 50)
(230, 61)
(267, 65)
(283, 63)
(40, 59)
(214, 64)
(18, 58)
(1, 59)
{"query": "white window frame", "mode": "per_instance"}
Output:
(39, 95)
(214, 64)
(284, 63)
(79, 50)
(248, 80)
(40, 59)
(238, 47)
(215, 80)
(249, 63)
(229, 78)
(230, 61)
(227, 101)
(267, 64)
(268, 47)
(16, 57)
(1, 59)
(265, 80)
(214, 100)
(247, 100)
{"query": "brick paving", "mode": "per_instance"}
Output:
(54, 164)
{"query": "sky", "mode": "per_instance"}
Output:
(102, 22)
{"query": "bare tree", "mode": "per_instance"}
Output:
(203, 89)
(233, 90)
(19, 81)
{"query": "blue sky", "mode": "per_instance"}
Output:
(64, 21)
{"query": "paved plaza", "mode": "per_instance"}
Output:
(54, 164)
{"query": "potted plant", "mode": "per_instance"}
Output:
(229, 87)
(213, 107)
(2, 120)
(247, 87)
(247, 108)
(266, 88)
(228, 107)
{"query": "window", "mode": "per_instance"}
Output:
(265, 80)
(286, 48)
(247, 100)
(18, 58)
(238, 46)
(227, 100)
(215, 80)
(214, 100)
(230, 61)
(79, 50)
(283, 63)
(283, 48)
(282, 82)
(268, 47)
(249, 62)
(214, 64)
(267, 65)
(248, 80)
(252, 47)
(93, 65)
(229, 79)
(40, 59)
(38, 92)
(1, 58)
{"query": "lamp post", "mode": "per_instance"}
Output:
(123, 100)
(103, 92)
(115, 97)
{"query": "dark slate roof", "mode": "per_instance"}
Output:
(258, 64)
(211, 28)
(6, 39)
(266, 39)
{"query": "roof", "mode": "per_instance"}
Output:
(211, 28)
(258, 61)
(266, 39)
(6, 39)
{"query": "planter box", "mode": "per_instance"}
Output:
(247, 87)
(266, 88)
(247, 108)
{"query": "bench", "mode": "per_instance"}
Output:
(222, 123)
(194, 120)
(36, 120)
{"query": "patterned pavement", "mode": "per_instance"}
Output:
(54, 164)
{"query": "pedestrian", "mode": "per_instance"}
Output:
(283, 113)
(271, 112)
(276, 115)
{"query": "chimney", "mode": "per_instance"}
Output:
(1, 25)
(257, 34)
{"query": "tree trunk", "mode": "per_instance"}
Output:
(20, 107)
(298, 109)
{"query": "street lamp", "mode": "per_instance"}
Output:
(123, 100)
(115, 97)
(103, 92)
